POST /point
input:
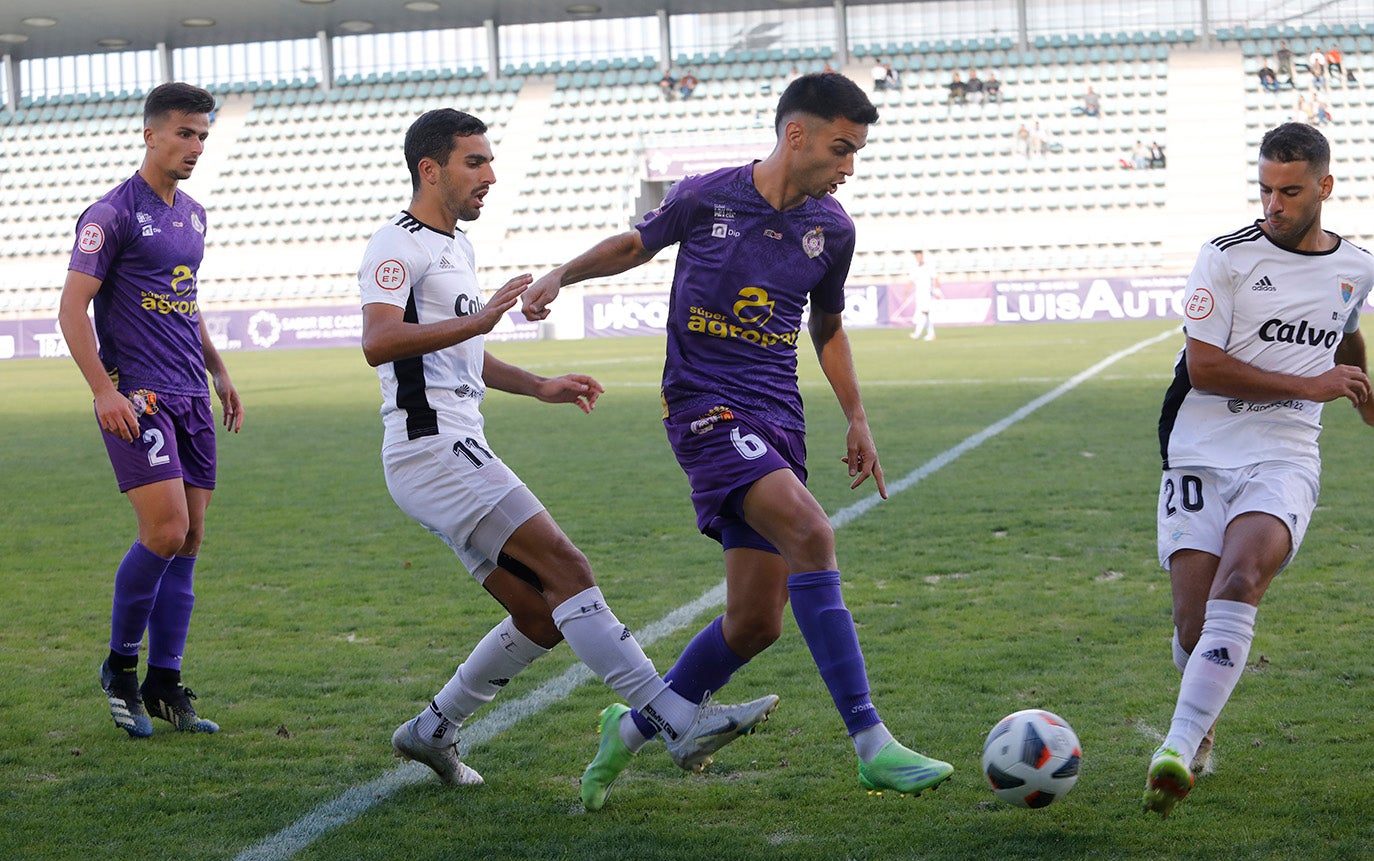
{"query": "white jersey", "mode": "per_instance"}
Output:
(1278, 310)
(432, 275)
(923, 281)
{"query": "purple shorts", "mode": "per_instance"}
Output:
(723, 453)
(176, 440)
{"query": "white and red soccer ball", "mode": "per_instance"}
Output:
(1032, 758)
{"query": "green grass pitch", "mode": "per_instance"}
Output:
(1022, 574)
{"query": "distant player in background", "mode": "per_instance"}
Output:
(1272, 335)
(755, 243)
(925, 287)
(137, 257)
(423, 327)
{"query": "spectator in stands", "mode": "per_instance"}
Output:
(973, 87)
(1321, 114)
(1022, 145)
(879, 72)
(1285, 60)
(992, 88)
(1092, 104)
(667, 85)
(1316, 65)
(1037, 143)
(687, 84)
(1140, 156)
(1333, 62)
(1303, 113)
(957, 91)
(1268, 79)
(1156, 155)
(894, 78)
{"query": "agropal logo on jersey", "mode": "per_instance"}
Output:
(752, 310)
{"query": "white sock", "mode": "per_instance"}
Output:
(496, 659)
(1180, 654)
(1215, 667)
(630, 734)
(870, 740)
(609, 649)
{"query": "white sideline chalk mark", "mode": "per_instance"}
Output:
(945, 458)
(1149, 732)
(358, 799)
(1157, 738)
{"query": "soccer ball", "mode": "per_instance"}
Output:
(1031, 758)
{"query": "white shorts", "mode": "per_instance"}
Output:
(1196, 504)
(456, 488)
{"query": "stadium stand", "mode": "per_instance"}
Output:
(306, 175)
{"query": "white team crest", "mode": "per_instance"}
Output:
(197, 223)
(813, 243)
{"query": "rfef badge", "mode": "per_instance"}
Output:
(813, 243)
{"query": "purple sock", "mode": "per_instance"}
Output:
(135, 589)
(171, 616)
(705, 665)
(828, 629)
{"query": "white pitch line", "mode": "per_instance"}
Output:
(358, 799)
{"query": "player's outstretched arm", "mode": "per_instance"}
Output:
(578, 389)
(114, 411)
(388, 337)
(1211, 369)
(1351, 351)
(837, 362)
(610, 256)
(219, 376)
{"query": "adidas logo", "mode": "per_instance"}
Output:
(1219, 656)
(1264, 285)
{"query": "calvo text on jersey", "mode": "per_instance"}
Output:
(465, 305)
(1288, 333)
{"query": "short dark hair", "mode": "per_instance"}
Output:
(176, 96)
(827, 95)
(1297, 142)
(432, 136)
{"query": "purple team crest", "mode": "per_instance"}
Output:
(813, 243)
(1347, 287)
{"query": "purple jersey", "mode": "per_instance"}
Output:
(146, 255)
(744, 274)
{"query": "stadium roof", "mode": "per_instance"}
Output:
(33, 29)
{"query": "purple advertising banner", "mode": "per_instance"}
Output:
(964, 303)
(248, 329)
(972, 303)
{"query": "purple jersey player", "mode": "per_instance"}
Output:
(137, 253)
(755, 244)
